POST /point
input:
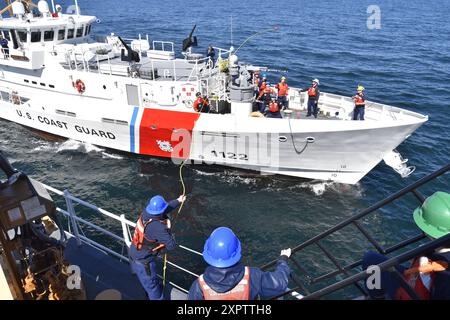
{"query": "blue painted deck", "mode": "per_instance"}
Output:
(101, 271)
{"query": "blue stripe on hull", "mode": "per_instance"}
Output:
(133, 122)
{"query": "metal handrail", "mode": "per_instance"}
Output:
(384, 266)
(354, 221)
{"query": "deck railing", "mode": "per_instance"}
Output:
(75, 222)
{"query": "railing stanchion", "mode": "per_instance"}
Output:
(71, 211)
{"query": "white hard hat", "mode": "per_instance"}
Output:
(316, 81)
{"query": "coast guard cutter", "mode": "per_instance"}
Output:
(137, 96)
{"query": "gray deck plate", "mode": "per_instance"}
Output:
(101, 271)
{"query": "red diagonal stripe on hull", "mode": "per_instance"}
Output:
(159, 125)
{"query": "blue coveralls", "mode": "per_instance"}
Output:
(440, 289)
(262, 284)
(144, 261)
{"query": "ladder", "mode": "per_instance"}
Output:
(344, 276)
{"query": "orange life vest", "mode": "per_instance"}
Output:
(263, 85)
(415, 281)
(257, 80)
(282, 89)
(273, 107)
(139, 235)
(359, 100)
(266, 90)
(198, 104)
(240, 292)
(312, 92)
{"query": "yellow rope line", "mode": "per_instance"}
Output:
(179, 210)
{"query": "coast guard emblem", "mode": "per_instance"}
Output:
(164, 145)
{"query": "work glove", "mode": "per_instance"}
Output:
(181, 199)
(286, 252)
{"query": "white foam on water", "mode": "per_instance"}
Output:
(106, 155)
(78, 146)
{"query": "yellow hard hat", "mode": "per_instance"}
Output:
(283, 78)
(360, 88)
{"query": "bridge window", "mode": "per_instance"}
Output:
(22, 35)
(61, 34)
(79, 32)
(35, 36)
(70, 33)
(88, 29)
(49, 35)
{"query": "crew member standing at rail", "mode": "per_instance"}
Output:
(151, 237)
(201, 104)
(429, 276)
(313, 98)
(283, 91)
(226, 279)
(211, 54)
(360, 104)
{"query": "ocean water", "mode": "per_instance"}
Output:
(406, 63)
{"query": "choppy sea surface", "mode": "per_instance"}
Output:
(406, 63)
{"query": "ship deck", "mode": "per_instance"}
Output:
(101, 271)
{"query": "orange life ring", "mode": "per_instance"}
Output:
(80, 86)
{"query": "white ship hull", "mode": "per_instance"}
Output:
(341, 151)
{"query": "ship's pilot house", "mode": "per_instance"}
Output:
(31, 28)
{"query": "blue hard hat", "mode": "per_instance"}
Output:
(156, 206)
(222, 249)
(264, 75)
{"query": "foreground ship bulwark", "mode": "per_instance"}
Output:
(135, 96)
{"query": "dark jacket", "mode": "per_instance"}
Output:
(155, 230)
(441, 287)
(262, 284)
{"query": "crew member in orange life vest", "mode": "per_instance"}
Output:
(263, 83)
(264, 97)
(226, 279)
(313, 98)
(201, 104)
(274, 109)
(151, 237)
(360, 104)
(283, 91)
(428, 276)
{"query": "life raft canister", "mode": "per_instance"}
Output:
(312, 92)
(139, 235)
(240, 292)
(415, 281)
(79, 85)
